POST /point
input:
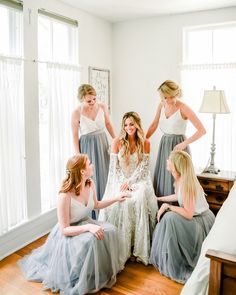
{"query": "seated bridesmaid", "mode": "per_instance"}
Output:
(221, 238)
(179, 234)
(80, 255)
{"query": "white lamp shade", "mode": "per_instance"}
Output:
(214, 101)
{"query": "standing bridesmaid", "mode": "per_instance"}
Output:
(172, 115)
(88, 123)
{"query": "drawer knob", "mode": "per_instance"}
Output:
(205, 182)
(220, 199)
(219, 187)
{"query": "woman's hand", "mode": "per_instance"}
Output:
(124, 187)
(122, 197)
(97, 231)
(180, 147)
(162, 210)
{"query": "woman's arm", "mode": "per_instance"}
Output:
(105, 203)
(187, 211)
(170, 198)
(63, 215)
(188, 113)
(152, 128)
(75, 123)
(108, 123)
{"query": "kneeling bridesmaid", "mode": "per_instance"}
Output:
(81, 255)
(181, 230)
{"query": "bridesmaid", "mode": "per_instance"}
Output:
(172, 116)
(179, 234)
(88, 123)
(80, 255)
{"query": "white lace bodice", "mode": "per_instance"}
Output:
(88, 125)
(174, 124)
(78, 210)
(133, 173)
(133, 161)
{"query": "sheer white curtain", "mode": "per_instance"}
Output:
(196, 79)
(58, 89)
(12, 172)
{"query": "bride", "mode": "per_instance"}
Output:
(129, 172)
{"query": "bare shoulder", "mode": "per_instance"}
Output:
(102, 105)
(183, 106)
(64, 197)
(147, 146)
(115, 146)
(160, 106)
(76, 112)
(92, 184)
(186, 111)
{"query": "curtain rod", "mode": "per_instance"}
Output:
(41, 61)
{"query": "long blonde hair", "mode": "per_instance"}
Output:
(139, 136)
(184, 168)
(74, 178)
(171, 88)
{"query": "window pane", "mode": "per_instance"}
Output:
(224, 44)
(45, 37)
(12, 150)
(10, 31)
(197, 79)
(57, 90)
(199, 47)
(59, 39)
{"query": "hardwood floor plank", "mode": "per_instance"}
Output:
(135, 279)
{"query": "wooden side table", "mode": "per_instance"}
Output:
(222, 278)
(216, 187)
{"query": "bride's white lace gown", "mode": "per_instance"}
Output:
(135, 217)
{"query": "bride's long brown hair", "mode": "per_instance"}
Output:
(74, 178)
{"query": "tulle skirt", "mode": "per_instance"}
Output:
(163, 179)
(75, 265)
(95, 145)
(177, 243)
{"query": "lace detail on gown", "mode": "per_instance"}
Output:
(135, 218)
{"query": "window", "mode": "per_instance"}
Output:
(12, 151)
(59, 76)
(210, 60)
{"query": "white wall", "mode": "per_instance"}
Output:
(95, 38)
(145, 53)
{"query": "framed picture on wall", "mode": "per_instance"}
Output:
(100, 80)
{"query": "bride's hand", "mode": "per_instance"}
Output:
(124, 187)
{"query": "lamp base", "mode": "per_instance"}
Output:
(211, 169)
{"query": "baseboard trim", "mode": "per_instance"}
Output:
(26, 233)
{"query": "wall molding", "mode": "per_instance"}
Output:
(26, 233)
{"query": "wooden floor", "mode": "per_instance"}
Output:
(135, 279)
